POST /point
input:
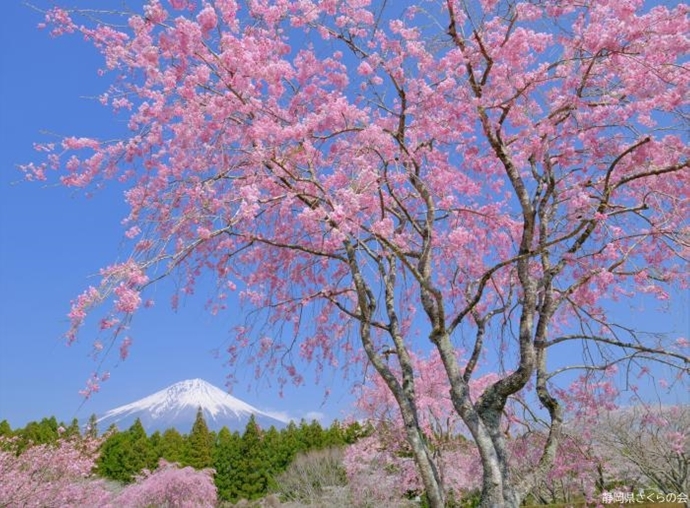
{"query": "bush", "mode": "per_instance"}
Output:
(312, 475)
(50, 475)
(171, 487)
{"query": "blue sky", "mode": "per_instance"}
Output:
(53, 240)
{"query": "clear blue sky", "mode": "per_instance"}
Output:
(53, 240)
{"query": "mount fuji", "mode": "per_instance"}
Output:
(176, 406)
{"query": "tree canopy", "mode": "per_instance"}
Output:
(483, 179)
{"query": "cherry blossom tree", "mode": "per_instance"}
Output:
(653, 441)
(492, 176)
(171, 486)
(54, 474)
(579, 463)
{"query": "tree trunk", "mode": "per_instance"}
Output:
(483, 419)
(433, 486)
(497, 484)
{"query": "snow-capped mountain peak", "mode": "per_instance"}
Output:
(176, 406)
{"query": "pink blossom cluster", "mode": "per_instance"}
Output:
(170, 485)
(279, 154)
(379, 473)
(51, 475)
(60, 474)
(381, 465)
(380, 468)
(435, 407)
(471, 172)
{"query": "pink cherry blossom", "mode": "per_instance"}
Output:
(453, 176)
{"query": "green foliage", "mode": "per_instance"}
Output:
(43, 432)
(355, 431)
(172, 446)
(227, 454)
(92, 426)
(199, 448)
(71, 430)
(155, 442)
(246, 464)
(290, 443)
(253, 470)
(125, 454)
(5, 429)
(311, 435)
(279, 454)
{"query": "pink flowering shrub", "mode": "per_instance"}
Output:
(379, 474)
(60, 475)
(51, 475)
(381, 470)
(171, 487)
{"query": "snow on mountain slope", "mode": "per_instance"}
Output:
(176, 406)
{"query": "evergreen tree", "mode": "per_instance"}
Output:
(155, 442)
(71, 430)
(172, 446)
(253, 471)
(334, 435)
(5, 429)
(199, 449)
(275, 458)
(43, 432)
(116, 458)
(355, 431)
(310, 435)
(227, 457)
(315, 437)
(125, 454)
(92, 426)
(284, 449)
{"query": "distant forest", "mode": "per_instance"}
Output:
(246, 464)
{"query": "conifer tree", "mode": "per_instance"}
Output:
(155, 443)
(43, 432)
(355, 431)
(125, 454)
(253, 470)
(227, 455)
(310, 435)
(71, 430)
(291, 440)
(172, 446)
(5, 428)
(92, 426)
(199, 449)
(277, 459)
(334, 435)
